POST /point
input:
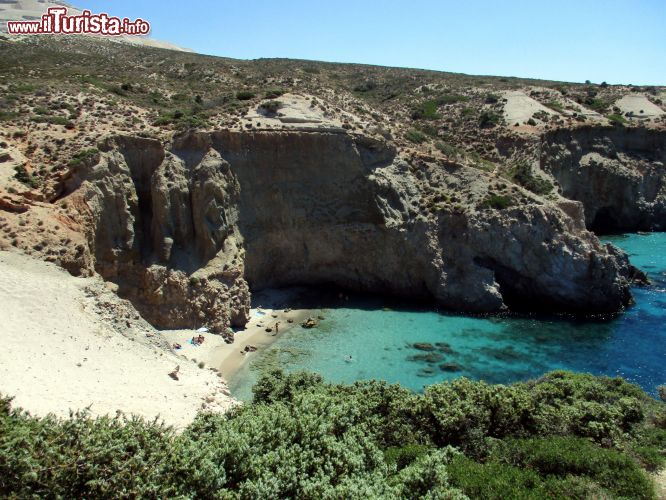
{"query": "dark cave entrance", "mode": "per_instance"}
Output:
(606, 221)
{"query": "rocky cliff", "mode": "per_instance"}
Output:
(618, 173)
(187, 229)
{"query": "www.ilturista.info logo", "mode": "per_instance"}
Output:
(56, 21)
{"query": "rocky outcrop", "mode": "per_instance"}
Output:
(186, 230)
(618, 173)
(158, 228)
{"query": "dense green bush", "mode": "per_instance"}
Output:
(244, 95)
(426, 111)
(84, 156)
(447, 149)
(489, 119)
(496, 480)
(270, 107)
(617, 119)
(497, 202)
(273, 93)
(523, 175)
(564, 456)
(415, 136)
(302, 437)
(22, 175)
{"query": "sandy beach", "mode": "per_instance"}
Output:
(68, 345)
(259, 333)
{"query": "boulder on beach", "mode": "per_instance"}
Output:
(309, 323)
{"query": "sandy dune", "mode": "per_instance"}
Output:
(639, 106)
(296, 111)
(520, 107)
(58, 353)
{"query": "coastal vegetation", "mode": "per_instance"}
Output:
(562, 436)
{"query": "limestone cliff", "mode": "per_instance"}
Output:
(186, 230)
(618, 173)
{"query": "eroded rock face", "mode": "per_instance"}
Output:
(618, 173)
(161, 232)
(186, 230)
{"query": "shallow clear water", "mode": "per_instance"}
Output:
(380, 341)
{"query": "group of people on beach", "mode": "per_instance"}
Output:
(197, 340)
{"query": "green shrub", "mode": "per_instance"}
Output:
(54, 120)
(617, 119)
(564, 456)
(277, 386)
(83, 157)
(402, 456)
(80, 457)
(556, 106)
(366, 86)
(496, 480)
(7, 115)
(244, 95)
(182, 119)
(273, 93)
(426, 111)
(596, 104)
(447, 149)
(415, 136)
(492, 99)
(445, 99)
(522, 174)
(489, 119)
(22, 175)
(304, 438)
(270, 107)
(650, 447)
(497, 202)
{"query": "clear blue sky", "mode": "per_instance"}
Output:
(612, 40)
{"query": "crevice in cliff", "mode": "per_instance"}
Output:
(143, 157)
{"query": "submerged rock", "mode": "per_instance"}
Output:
(450, 367)
(423, 346)
(426, 372)
(431, 357)
(444, 347)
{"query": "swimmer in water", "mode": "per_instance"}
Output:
(348, 359)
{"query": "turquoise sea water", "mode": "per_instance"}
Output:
(368, 338)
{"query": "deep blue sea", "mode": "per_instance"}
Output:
(369, 338)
